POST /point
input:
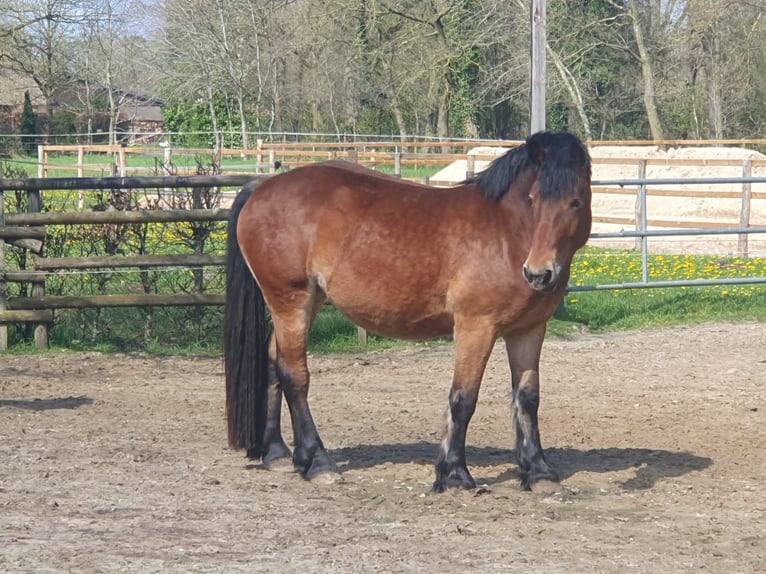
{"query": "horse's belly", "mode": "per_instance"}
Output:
(397, 323)
(389, 292)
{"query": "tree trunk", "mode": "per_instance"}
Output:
(214, 118)
(316, 118)
(243, 120)
(650, 101)
(570, 83)
(442, 119)
(400, 121)
(710, 54)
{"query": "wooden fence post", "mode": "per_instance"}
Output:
(42, 159)
(470, 166)
(361, 336)
(41, 329)
(744, 213)
(35, 205)
(122, 162)
(398, 164)
(80, 173)
(259, 156)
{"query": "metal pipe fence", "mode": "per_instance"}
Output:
(643, 233)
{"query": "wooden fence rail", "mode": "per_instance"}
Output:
(101, 301)
(27, 230)
(122, 261)
(115, 216)
(371, 153)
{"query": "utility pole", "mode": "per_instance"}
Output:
(537, 80)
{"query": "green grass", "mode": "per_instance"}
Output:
(646, 308)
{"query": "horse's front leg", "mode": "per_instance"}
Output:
(524, 359)
(472, 349)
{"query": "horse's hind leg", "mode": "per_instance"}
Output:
(524, 359)
(291, 331)
(277, 456)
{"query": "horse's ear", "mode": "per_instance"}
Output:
(535, 149)
(578, 155)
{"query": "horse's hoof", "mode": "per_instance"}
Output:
(458, 478)
(326, 477)
(545, 487)
(321, 464)
(282, 464)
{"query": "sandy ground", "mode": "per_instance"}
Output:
(119, 464)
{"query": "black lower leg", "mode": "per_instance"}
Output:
(451, 468)
(277, 454)
(274, 447)
(533, 466)
(309, 454)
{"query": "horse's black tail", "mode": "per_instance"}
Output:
(246, 337)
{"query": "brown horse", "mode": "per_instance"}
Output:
(483, 260)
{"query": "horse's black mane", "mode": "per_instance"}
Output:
(559, 158)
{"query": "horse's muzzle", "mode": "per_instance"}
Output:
(543, 279)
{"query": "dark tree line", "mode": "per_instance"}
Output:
(237, 69)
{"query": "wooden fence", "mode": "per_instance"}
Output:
(392, 154)
(26, 230)
(263, 159)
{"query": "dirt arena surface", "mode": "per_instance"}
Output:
(119, 464)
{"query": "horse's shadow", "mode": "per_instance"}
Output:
(70, 403)
(651, 465)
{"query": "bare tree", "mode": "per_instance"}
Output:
(223, 48)
(105, 53)
(421, 46)
(39, 35)
(233, 30)
(188, 58)
(725, 48)
(647, 71)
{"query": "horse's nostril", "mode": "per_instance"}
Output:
(527, 276)
(541, 281)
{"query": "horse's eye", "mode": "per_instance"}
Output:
(530, 200)
(576, 203)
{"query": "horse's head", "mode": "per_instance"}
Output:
(560, 200)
